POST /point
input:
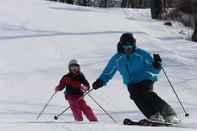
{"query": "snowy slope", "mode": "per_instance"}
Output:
(38, 38)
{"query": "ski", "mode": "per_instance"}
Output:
(146, 122)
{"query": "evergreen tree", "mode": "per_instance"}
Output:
(194, 12)
(124, 3)
(156, 9)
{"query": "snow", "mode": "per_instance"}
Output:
(38, 38)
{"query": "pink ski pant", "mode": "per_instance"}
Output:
(78, 107)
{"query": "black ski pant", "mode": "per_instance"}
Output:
(148, 101)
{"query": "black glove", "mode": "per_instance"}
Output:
(97, 84)
(157, 61)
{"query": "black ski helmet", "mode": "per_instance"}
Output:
(125, 39)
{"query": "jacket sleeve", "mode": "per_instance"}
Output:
(63, 82)
(110, 69)
(84, 80)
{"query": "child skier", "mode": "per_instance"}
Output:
(75, 85)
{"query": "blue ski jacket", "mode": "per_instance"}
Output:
(133, 69)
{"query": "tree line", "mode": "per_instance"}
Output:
(160, 9)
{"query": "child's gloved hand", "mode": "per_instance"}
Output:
(84, 88)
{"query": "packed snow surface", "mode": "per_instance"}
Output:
(38, 38)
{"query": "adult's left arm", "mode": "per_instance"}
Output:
(110, 69)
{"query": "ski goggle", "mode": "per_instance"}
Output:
(128, 46)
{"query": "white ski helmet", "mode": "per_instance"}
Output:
(73, 62)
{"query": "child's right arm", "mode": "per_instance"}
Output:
(63, 82)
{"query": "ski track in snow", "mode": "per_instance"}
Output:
(37, 41)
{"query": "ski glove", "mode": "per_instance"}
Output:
(157, 61)
(97, 84)
(84, 88)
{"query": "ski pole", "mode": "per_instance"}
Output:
(103, 109)
(186, 114)
(57, 116)
(45, 106)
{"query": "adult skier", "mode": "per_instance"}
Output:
(139, 71)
